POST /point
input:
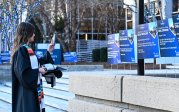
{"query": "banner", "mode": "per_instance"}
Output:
(113, 49)
(176, 25)
(56, 54)
(167, 38)
(126, 40)
(171, 60)
(70, 57)
(147, 41)
(5, 56)
(0, 60)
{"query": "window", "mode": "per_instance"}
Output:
(175, 5)
(129, 14)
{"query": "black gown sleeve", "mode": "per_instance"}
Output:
(46, 59)
(14, 85)
(22, 67)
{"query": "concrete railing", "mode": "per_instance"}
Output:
(115, 93)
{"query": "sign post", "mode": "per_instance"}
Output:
(140, 68)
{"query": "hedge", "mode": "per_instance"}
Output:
(100, 55)
(96, 55)
(103, 54)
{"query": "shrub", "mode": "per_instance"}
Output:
(103, 54)
(96, 55)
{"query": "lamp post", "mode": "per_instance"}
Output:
(140, 7)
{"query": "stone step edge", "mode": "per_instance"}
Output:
(55, 107)
(45, 95)
(7, 85)
(64, 83)
(55, 88)
(45, 103)
(5, 101)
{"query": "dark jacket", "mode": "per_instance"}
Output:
(24, 81)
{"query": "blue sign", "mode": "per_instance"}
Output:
(39, 53)
(5, 56)
(147, 41)
(126, 40)
(70, 57)
(56, 54)
(167, 38)
(113, 49)
(176, 25)
(0, 60)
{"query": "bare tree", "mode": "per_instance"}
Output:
(68, 15)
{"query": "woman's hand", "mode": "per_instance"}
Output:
(42, 70)
(50, 47)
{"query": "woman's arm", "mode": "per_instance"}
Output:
(47, 57)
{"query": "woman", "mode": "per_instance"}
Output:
(27, 91)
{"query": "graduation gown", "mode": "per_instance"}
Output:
(24, 81)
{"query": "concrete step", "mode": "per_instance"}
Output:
(55, 100)
(63, 81)
(58, 94)
(5, 107)
(65, 75)
(60, 87)
(56, 103)
(5, 104)
(52, 109)
(60, 81)
(6, 97)
(48, 92)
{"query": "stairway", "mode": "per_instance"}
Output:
(56, 98)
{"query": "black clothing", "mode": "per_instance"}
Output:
(24, 81)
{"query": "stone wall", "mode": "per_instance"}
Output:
(115, 93)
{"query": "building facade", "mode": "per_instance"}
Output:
(153, 10)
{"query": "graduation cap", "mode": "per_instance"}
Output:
(53, 71)
(50, 79)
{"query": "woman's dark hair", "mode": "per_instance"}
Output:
(24, 32)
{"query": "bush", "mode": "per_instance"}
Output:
(96, 55)
(103, 54)
(100, 55)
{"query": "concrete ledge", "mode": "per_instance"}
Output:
(107, 87)
(83, 106)
(131, 93)
(153, 92)
(83, 67)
